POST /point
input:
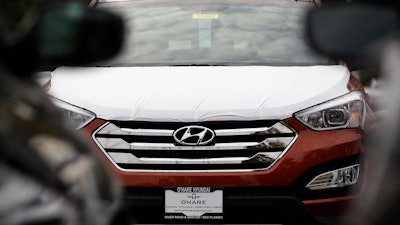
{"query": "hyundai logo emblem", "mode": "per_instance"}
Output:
(194, 135)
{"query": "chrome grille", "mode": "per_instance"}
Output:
(238, 146)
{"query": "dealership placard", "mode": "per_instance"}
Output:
(193, 203)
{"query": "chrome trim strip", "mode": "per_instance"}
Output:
(129, 158)
(111, 129)
(148, 132)
(277, 128)
(269, 143)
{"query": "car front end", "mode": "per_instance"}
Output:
(238, 140)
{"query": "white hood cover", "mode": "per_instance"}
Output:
(203, 93)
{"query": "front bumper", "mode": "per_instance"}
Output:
(263, 205)
(277, 195)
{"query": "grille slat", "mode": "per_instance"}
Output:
(191, 154)
(237, 146)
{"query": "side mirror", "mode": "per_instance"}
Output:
(74, 34)
(348, 31)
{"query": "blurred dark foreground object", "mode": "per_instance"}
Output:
(48, 174)
(63, 34)
(365, 34)
(351, 30)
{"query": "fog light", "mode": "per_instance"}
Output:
(335, 178)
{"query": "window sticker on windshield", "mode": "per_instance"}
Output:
(205, 33)
(205, 16)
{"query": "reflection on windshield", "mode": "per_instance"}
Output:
(267, 34)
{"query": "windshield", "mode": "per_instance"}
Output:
(213, 32)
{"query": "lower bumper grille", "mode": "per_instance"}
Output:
(241, 206)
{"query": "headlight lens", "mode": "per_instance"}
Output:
(79, 117)
(346, 111)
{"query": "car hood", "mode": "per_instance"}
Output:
(198, 93)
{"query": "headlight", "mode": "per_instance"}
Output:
(346, 111)
(79, 117)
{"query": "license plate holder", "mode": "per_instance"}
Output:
(195, 203)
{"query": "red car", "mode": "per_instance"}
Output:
(218, 112)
